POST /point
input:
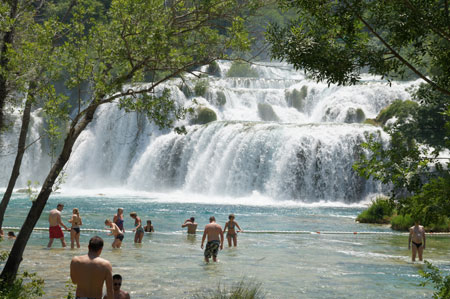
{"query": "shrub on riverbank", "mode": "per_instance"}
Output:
(402, 222)
(380, 211)
(240, 290)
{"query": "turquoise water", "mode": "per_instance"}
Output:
(280, 248)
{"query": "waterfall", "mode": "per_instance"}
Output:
(280, 134)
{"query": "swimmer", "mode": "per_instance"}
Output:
(118, 293)
(55, 231)
(138, 229)
(232, 233)
(215, 239)
(11, 236)
(118, 219)
(149, 227)
(417, 237)
(116, 232)
(191, 225)
(75, 229)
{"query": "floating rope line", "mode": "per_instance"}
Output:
(275, 232)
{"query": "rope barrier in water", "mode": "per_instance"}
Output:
(277, 232)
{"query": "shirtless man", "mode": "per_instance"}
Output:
(90, 271)
(116, 232)
(191, 225)
(214, 233)
(118, 293)
(416, 236)
(55, 231)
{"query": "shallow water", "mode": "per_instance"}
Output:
(280, 248)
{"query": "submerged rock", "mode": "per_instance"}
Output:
(266, 113)
(203, 116)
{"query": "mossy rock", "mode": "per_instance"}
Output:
(355, 116)
(296, 98)
(371, 121)
(201, 87)
(241, 69)
(203, 116)
(214, 69)
(187, 91)
(221, 98)
(266, 113)
(400, 109)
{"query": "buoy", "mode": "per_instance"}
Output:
(354, 233)
(318, 232)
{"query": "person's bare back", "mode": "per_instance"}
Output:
(213, 231)
(215, 239)
(90, 271)
(54, 217)
(191, 225)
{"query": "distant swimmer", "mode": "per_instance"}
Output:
(138, 228)
(417, 237)
(191, 225)
(215, 239)
(55, 231)
(149, 227)
(118, 219)
(11, 236)
(90, 271)
(232, 233)
(116, 232)
(75, 229)
(118, 293)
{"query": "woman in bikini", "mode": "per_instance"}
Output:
(149, 227)
(138, 229)
(232, 233)
(118, 219)
(75, 229)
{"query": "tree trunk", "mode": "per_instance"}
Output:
(15, 256)
(8, 38)
(18, 162)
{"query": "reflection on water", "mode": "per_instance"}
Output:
(169, 263)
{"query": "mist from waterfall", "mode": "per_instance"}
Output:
(281, 135)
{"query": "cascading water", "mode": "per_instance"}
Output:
(280, 134)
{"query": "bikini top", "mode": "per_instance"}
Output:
(231, 225)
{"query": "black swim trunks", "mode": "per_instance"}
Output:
(120, 237)
(76, 229)
(212, 248)
(417, 244)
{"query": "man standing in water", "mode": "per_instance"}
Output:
(214, 232)
(416, 236)
(55, 231)
(90, 271)
(191, 225)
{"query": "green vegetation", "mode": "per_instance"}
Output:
(240, 290)
(402, 222)
(221, 98)
(214, 69)
(380, 211)
(399, 109)
(203, 116)
(241, 69)
(201, 87)
(440, 282)
(266, 113)
(296, 98)
(187, 90)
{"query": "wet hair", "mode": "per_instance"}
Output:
(133, 214)
(212, 218)
(95, 244)
(75, 211)
(107, 221)
(192, 219)
(149, 221)
(60, 205)
(231, 216)
(11, 234)
(117, 276)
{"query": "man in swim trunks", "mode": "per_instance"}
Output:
(90, 271)
(55, 231)
(416, 236)
(191, 225)
(215, 239)
(116, 232)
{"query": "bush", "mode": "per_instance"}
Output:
(25, 286)
(440, 282)
(266, 113)
(240, 290)
(186, 90)
(221, 98)
(214, 69)
(201, 87)
(241, 69)
(380, 211)
(297, 98)
(204, 116)
(402, 222)
(400, 109)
